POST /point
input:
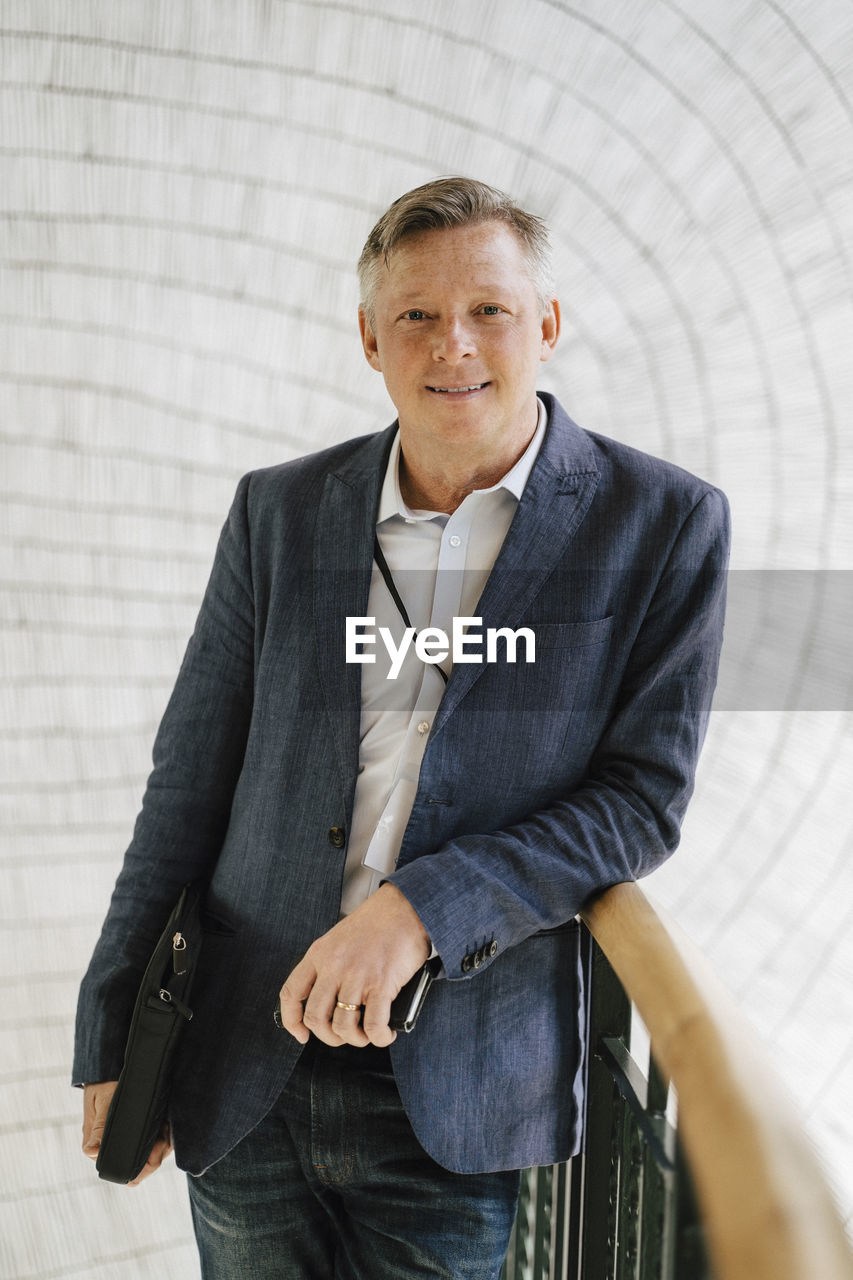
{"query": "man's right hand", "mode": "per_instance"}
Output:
(96, 1104)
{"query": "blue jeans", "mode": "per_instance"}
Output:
(333, 1185)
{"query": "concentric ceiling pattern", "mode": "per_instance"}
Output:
(185, 186)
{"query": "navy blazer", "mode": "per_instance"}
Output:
(542, 783)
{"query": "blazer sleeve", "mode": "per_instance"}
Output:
(491, 891)
(197, 757)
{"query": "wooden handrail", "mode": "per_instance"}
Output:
(766, 1208)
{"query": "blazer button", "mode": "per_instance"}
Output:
(337, 837)
(467, 964)
(478, 959)
(493, 948)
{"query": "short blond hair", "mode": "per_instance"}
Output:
(453, 202)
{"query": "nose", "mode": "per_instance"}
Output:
(454, 341)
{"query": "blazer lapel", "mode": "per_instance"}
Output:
(556, 498)
(342, 559)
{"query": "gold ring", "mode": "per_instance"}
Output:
(350, 1008)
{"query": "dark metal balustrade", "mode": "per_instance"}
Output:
(624, 1210)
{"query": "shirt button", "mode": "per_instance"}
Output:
(455, 540)
(423, 727)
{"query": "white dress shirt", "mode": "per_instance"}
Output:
(440, 564)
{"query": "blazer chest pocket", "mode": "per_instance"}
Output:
(571, 635)
(539, 690)
(570, 658)
(554, 704)
(537, 717)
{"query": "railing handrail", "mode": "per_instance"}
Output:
(767, 1211)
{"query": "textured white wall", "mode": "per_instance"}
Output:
(184, 189)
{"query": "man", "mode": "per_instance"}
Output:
(356, 809)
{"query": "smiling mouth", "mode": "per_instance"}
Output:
(458, 391)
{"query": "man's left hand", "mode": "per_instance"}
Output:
(363, 961)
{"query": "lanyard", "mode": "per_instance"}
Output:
(379, 557)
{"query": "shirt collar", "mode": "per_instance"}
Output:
(391, 500)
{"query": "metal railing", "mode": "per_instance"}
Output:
(625, 1209)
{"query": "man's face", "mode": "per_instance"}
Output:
(458, 335)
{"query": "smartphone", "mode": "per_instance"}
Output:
(409, 1001)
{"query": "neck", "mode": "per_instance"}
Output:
(426, 491)
(441, 482)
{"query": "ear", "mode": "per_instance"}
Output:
(368, 341)
(550, 329)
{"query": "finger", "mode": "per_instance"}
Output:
(292, 997)
(159, 1152)
(96, 1104)
(92, 1143)
(92, 1132)
(319, 1009)
(346, 1023)
(377, 1013)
